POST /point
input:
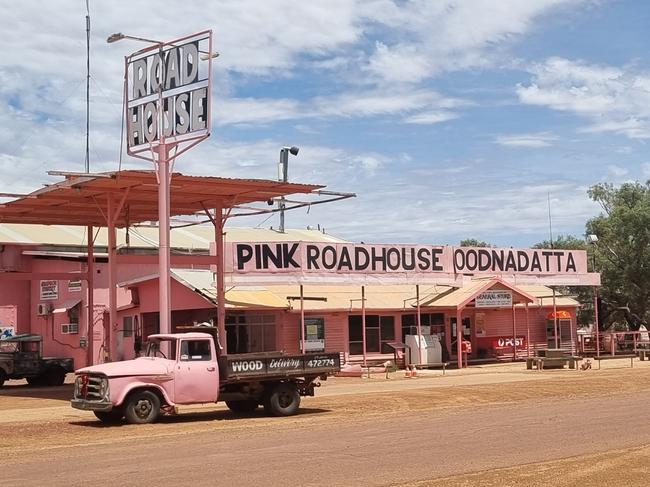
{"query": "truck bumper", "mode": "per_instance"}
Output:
(91, 406)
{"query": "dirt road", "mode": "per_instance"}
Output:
(498, 427)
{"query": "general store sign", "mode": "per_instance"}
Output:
(493, 298)
(49, 289)
(168, 91)
(347, 262)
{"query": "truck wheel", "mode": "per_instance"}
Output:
(109, 417)
(54, 376)
(35, 381)
(142, 407)
(242, 406)
(283, 400)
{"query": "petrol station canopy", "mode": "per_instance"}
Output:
(83, 199)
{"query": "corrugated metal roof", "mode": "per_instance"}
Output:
(192, 237)
(344, 297)
(83, 199)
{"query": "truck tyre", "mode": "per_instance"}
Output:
(36, 381)
(243, 406)
(109, 417)
(142, 407)
(54, 376)
(3, 377)
(282, 400)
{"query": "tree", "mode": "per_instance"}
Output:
(623, 250)
(473, 242)
(584, 295)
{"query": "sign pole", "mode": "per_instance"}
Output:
(164, 278)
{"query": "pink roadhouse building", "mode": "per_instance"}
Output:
(499, 319)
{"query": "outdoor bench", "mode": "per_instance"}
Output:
(431, 366)
(609, 357)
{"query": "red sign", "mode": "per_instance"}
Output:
(502, 342)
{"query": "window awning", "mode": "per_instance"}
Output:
(66, 305)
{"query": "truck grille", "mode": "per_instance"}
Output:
(90, 387)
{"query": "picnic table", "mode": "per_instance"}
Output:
(553, 358)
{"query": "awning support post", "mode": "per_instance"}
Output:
(110, 334)
(527, 331)
(459, 337)
(514, 333)
(90, 288)
(302, 320)
(221, 287)
(363, 322)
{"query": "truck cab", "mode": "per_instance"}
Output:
(21, 357)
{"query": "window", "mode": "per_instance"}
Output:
(73, 314)
(127, 326)
(380, 330)
(251, 332)
(435, 322)
(70, 328)
(195, 350)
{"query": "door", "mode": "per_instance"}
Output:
(196, 376)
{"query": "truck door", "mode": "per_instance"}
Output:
(196, 376)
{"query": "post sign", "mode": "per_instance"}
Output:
(504, 342)
(493, 298)
(168, 92)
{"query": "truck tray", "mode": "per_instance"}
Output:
(277, 364)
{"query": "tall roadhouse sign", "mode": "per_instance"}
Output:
(167, 93)
(347, 262)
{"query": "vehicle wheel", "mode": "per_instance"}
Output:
(243, 406)
(35, 381)
(282, 400)
(109, 417)
(142, 407)
(3, 377)
(54, 376)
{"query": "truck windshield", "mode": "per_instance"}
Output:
(161, 348)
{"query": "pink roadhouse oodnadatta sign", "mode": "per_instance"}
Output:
(348, 262)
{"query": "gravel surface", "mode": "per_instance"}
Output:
(492, 426)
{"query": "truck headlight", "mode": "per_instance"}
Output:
(103, 387)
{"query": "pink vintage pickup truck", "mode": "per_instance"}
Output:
(187, 368)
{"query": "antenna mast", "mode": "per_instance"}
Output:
(87, 166)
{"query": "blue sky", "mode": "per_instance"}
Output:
(449, 119)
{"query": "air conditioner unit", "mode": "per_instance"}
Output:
(44, 309)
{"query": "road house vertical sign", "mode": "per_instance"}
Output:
(167, 92)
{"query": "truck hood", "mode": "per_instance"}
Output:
(138, 366)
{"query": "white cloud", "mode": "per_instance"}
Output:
(543, 139)
(255, 110)
(447, 35)
(617, 171)
(431, 117)
(612, 99)
(250, 111)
